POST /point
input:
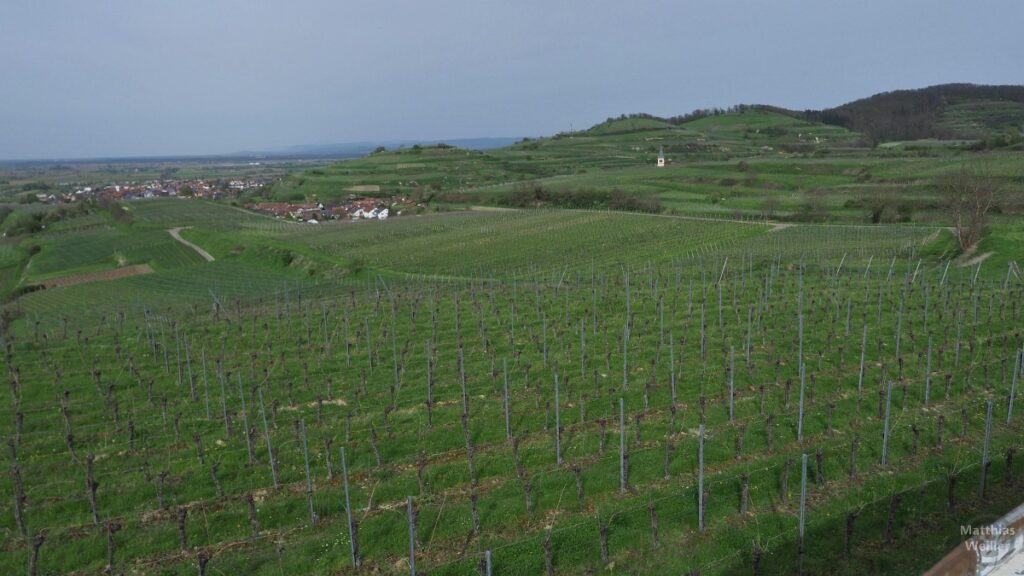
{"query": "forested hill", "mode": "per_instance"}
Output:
(946, 111)
(991, 115)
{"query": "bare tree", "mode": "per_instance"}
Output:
(968, 195)
(814, 208)
(769, 207)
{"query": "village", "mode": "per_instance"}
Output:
(354, 207)
(184, 188)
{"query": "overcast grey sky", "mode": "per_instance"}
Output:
(141, 77)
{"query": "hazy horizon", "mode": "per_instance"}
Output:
(117, 78)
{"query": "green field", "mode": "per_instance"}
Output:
(329, 333)
(612, 146)
(749, 164)
(554, 385)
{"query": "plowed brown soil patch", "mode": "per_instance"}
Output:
(103, 276)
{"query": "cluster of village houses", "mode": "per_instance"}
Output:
(156, 189)
(354, 208)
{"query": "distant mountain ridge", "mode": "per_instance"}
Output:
(363, 148)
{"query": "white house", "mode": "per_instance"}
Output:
(375, 214)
